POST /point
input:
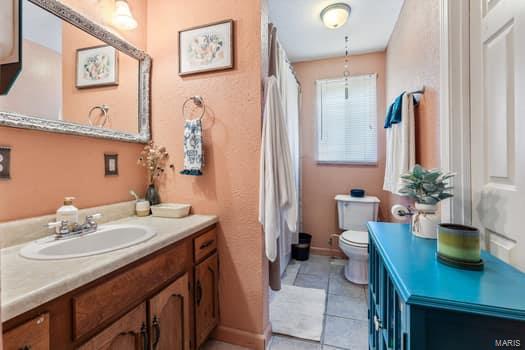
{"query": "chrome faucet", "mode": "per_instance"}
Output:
(68, 230)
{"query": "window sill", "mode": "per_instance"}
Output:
(334, 162)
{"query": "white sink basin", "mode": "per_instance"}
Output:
(107, 238)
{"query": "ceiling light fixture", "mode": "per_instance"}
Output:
(335, 15)
(122, 18)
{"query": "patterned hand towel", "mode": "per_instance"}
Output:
(193, 152)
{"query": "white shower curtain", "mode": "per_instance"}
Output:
(290, 94)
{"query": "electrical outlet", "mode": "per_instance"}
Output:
(5, 163)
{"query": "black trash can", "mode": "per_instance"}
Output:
(301, 251)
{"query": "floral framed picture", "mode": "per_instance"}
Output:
(206, 48)
(97, 66)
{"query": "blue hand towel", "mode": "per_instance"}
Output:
(193, 152)
(393, 115)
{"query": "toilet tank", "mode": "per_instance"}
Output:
(354, 213)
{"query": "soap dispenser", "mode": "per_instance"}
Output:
(68, 212)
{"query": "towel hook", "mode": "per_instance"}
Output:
(198, 101)
(104, 109)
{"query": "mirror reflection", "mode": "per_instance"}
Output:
(69, 75)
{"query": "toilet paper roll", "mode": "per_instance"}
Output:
(399, 211)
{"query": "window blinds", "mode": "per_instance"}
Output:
(347, 128)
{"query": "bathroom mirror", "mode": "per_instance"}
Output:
(77, 78)
(10, 55)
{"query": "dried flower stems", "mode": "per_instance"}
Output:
(153, 158)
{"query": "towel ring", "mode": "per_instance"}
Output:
(198, 101)
(104, 109)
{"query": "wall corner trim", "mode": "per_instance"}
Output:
(455, 106)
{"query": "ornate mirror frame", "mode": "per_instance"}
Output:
(71, 16)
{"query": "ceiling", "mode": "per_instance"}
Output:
(304, 37)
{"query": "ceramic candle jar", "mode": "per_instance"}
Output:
(459, 242)
(142, 207)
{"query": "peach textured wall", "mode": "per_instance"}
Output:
(229, 186)
(412, 60)
(101, 11)
(321, 182)
(122, 99)
(46, 166)
(38, 82)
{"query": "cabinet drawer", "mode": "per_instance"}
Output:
(32, 335)
(205, 244)
(102, 302)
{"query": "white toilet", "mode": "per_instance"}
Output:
(354, 213)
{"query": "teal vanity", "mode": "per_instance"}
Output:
(417, 303)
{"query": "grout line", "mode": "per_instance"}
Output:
(311, 275)
(295, 279)
(348, 318)
(325, 310)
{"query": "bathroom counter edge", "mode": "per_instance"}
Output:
(27, 284)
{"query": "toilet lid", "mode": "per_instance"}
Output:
(355, 237)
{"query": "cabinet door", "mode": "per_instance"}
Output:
(170, 317)
(32, 335)
(128, 333)
(206, 298)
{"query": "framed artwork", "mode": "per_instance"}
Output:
(206, 48)
(97, 66)
(10, 35)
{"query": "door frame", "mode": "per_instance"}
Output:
(455, 107)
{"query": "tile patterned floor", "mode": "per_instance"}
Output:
(345, 324)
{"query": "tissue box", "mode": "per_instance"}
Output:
(170, 210)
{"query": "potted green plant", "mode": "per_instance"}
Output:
(427, 188)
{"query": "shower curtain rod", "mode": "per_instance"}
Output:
(272, 31)
(290, 67)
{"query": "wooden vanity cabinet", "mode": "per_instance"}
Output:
(206, 294)
(31, 335)
(128, 333)
(170, 317)
(167, 300)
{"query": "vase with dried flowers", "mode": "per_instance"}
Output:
(153, 158)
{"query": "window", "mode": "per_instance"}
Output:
(347, 128)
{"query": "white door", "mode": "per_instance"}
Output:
(498, 126)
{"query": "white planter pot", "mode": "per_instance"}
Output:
(425, 221)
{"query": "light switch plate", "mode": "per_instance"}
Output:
(111, 164)
(5, 163)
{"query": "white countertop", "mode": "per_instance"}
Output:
(26, 284)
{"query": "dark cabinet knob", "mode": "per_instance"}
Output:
(144, 335)
(198, 293)
(206, 244)
(156, 329)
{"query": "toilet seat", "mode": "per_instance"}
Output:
(355, 238)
